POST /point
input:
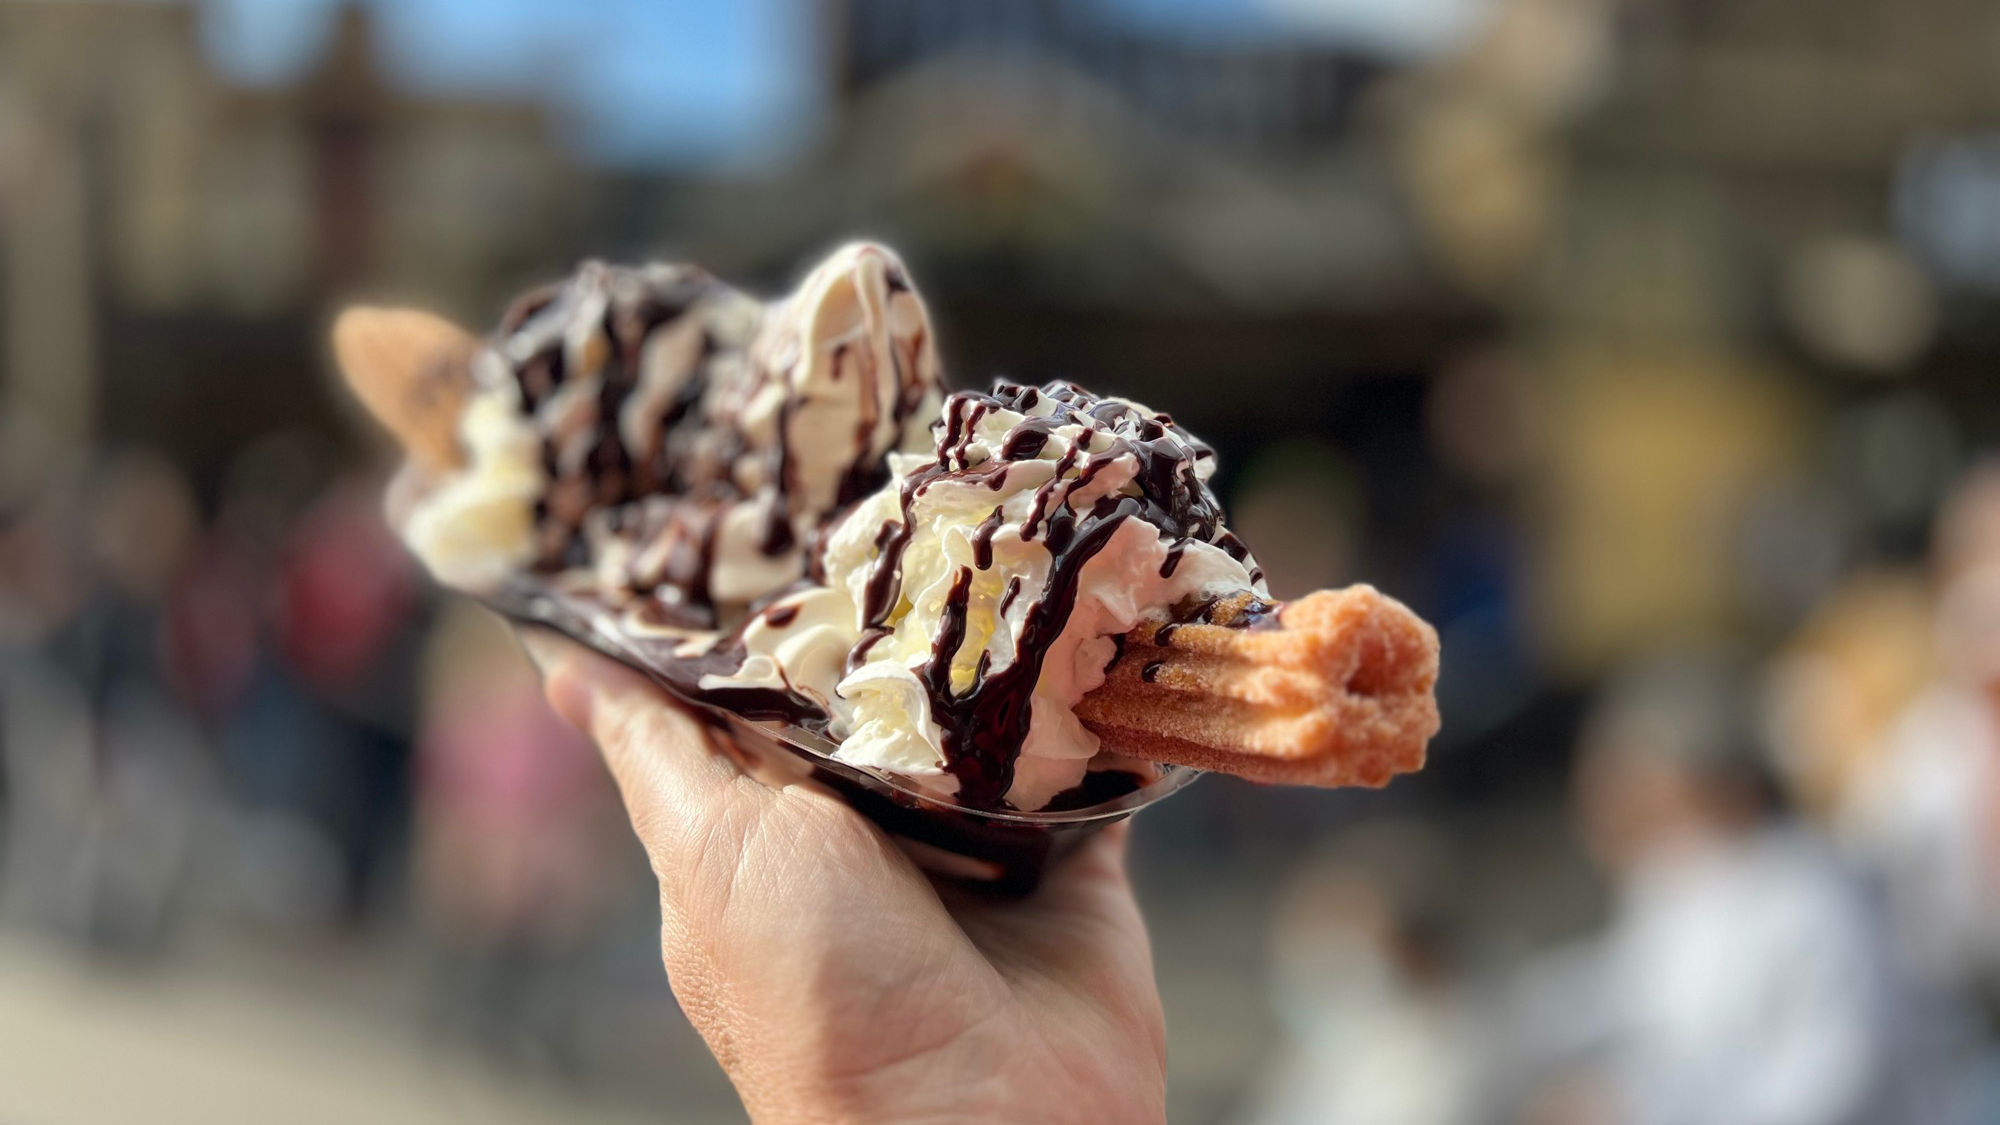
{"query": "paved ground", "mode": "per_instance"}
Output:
(222, 1033)
(87, 1045)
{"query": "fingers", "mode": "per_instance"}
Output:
(661, 756)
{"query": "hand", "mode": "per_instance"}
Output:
(835, 981)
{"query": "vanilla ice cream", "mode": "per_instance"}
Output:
(674, 439)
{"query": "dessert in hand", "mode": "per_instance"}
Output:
(1018, 598)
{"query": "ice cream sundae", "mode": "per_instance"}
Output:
(1015, 599)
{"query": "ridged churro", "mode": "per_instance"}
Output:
(1332, 689)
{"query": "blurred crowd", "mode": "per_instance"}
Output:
(244, 717)
(1800, 862)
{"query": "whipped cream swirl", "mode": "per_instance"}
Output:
(956, 616)
(653, 434)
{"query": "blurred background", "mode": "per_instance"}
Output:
(1643, 346)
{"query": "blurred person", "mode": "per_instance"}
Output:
(1860, 658)
(219, 614)
(211, 628)
(1378, 1026)
(41, 581)
(1481, 423)
(42, 714)
(1889, 761)
(1924, 812)
(1739, 980)
(110, 772)
(519, 857)
(317, 744)
(1966, 531)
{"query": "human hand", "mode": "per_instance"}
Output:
(834, 980)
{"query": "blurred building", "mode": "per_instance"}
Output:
(1740, 311)
(1088, 196)
(173, 240)
(1275, 97)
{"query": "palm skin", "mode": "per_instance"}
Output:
(834, 980)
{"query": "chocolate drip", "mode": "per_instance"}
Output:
(677, 356)
(1025, 441)
(654, 613)
(1242, 611)
(984, 718)
(778, 537)
(982, 541)
(885, 576)
(1045, 493)
(1096, 788)
(858, 655)
(1151, 672)
(983, 725)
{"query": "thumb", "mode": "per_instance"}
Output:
(663, 758)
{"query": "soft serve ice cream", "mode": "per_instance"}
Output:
(653, 434)
(776, 501)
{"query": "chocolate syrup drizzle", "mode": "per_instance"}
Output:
(660, 489)
(984, 723)
(985, 718)
(661, 484)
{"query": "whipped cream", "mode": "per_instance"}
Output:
(783, 496)
(668, 438)
(477, 528)
(964, 608)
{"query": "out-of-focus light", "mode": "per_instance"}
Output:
(1547, 59)
(1860, 304)
(1484, 186)
(1947, 207)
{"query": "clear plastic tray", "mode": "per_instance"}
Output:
(1002, 849)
